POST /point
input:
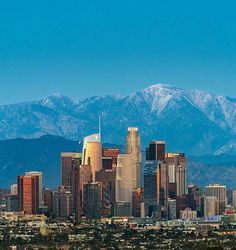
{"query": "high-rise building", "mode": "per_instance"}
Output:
(150, 182)
(106, 162)
(181, 204)
(66, 164)
(195, 199)
(171, 209)
(133, 148)
(229, 195)
(75, 185)
(234, 198)
(92, 153)
(122, 208)
(40, 176)
(125, 178)
(62, 203)
(219, 191)
(137, 200)
(85, 177)
(28, 192)
(177, 173)
(93, 199)
(156, 151)
(162, 185)
(14, 189)
(211, 206)
(12, 203)
(108, 180)
(111, 153)
(47, 196)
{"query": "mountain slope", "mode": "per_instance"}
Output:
(191, 121)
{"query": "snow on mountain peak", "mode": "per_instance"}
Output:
(56, 100)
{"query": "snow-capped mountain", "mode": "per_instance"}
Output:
(192, 121)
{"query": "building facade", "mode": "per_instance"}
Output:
(211, 206)
(93, 200)
(219, 191)
(28, 193)
(40, 176)
(132, 147)
(66, 164)
(125, 179)
(92, 153)
(62, 203)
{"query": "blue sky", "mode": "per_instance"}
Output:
(83, 48)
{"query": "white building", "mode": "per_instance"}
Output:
(125, 178)
(219, 191)
(211, 206)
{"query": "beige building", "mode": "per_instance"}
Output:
(219, 191)
(211, 206)
(14, 189)
(92, 153)
(133, 148)
(188, 214)
(125, 180)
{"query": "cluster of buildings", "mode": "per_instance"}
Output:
(104, 182)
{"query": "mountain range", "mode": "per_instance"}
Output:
(190, 121)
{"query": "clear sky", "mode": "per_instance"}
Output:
(83, 48)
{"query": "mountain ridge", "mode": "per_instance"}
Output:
(192, 121)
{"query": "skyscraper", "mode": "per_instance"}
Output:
(177, 172)
(162, 187)
(219, 191)
(125, 179)
(47, 196)
(211, 206)
(28, 192)
(62, 203)
(75, 185)
(234, 198)
(108, 179)
(111, 153)
(66, 164)
(92, 153)
(133, 148)
(93, 199)
(150, 182)
(137, 200)
(12, 203)
(195, 199)
(40, 176)
(156, 151)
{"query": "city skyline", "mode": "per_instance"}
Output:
(100, 182)
(117, 124)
